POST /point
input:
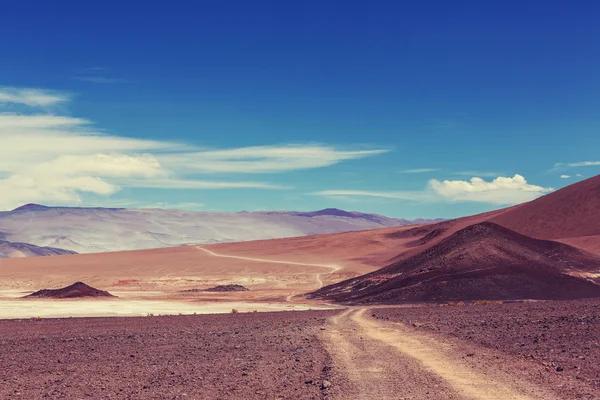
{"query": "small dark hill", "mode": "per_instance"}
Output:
(220, 288)
(481, 261)
(76, 290)
(227, 288)
(31, 207)
(327, 211)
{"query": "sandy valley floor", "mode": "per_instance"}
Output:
(153, 281)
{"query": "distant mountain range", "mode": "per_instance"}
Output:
(38, 230)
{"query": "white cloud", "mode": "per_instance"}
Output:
(502, 191)
(105, 165)
(64, 178)
(35, 139)
(565, 176)
(23, 188)
(579, 175)
(54, 159)
(42, 121)
(31, 97)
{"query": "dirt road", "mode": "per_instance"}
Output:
(377, 360)
(318, 276)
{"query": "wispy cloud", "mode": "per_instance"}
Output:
(501, 191)
(565, 176)
(101, 79)
(398, 195)
(170, 183)
(419, 170)
(193, 206)
(52, 158)
(479, 174)
(578, 164)
(265, 159)
(31, 97)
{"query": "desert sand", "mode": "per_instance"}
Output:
(275, 272)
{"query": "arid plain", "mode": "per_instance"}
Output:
(460, 309)
(155, 281)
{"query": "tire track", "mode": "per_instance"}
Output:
(318, 276)
(373, 358)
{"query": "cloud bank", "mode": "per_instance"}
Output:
(499, 191)
(502, 190)
(56, 159)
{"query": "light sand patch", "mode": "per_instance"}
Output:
(15, 309)
(13, 293)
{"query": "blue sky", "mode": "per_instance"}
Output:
(373, 106)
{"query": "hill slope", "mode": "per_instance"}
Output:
(11, 250)
(570, 212)
(481, 261)
(570, 215)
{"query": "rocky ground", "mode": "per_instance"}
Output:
(541, 350)
(556, 343)
(234, 356)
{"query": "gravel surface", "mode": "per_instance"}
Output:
(235, 356)
(556, 343)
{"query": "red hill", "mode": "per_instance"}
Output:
(573, 211)
(481, 261)
(76, 290)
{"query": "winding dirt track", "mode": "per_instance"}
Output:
(388, 361)
(377, 360)
(318, 277)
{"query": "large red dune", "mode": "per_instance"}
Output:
(573, 211)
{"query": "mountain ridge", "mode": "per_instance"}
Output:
(98, 229)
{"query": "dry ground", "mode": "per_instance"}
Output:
(554, 343)
(274, 270)
(236, 356)
(522, 351)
